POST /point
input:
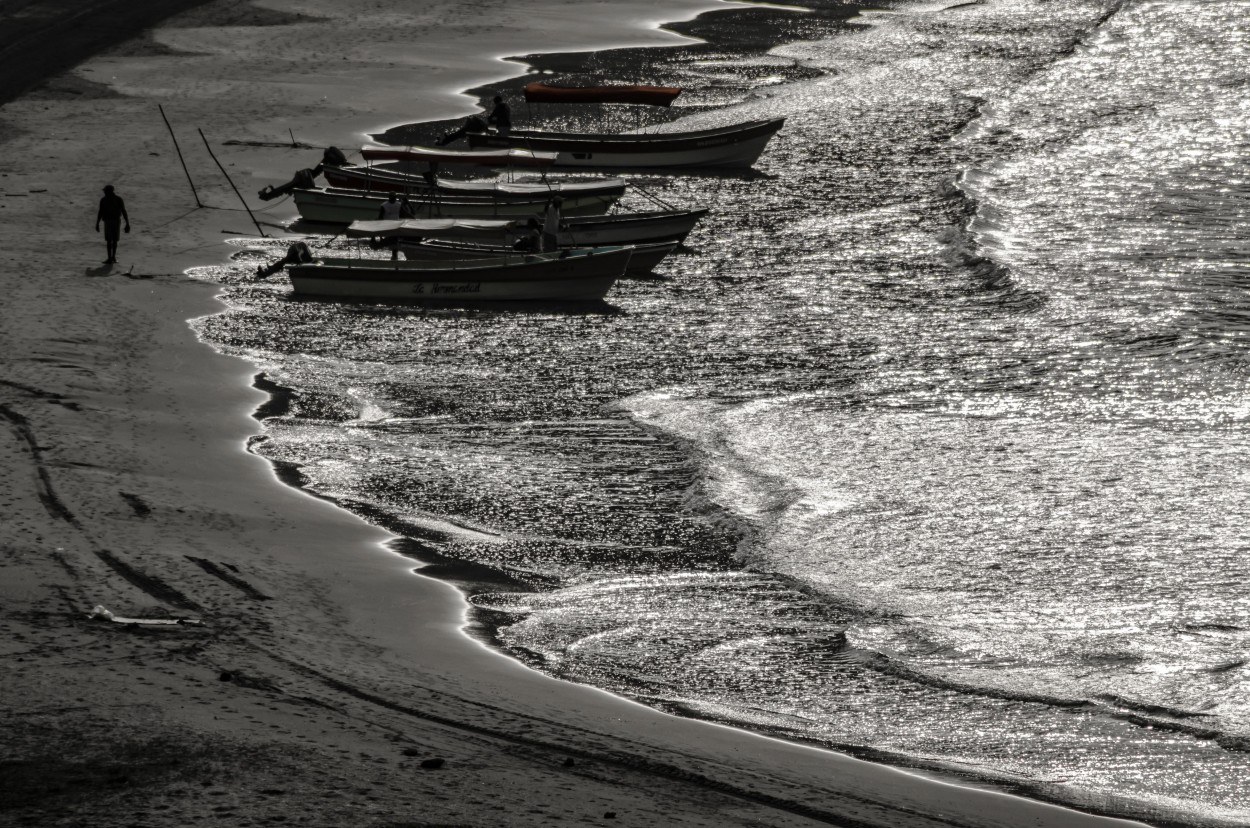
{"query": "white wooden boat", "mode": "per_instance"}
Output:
(736, 146)
(337, 206)
(566, 276)
(387, 180)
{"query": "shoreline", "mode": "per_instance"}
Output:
(710, 33)
(309, 694)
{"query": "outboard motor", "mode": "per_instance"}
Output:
(303, 180)
(333, 157)
(298, 253)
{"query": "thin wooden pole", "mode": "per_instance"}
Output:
(236, 189)
(180, 159)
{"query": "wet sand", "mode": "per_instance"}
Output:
(322, 682)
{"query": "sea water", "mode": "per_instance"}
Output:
(930, 446)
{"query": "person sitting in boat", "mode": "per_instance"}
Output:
(501, 116)
(473, 123)
(532, 241)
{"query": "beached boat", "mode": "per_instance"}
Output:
(736, 146)
(582, 274)
(386, 180)
(337, 206)
(565, 276)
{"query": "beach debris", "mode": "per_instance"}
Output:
(102, 613)
(432, 764)
(235, 142)
(568, 763)
(609, 814)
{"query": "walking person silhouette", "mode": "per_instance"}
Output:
(112, 211)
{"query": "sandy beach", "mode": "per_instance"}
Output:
(314, 679)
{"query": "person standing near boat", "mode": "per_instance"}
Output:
(551, 224)
(501, 116)
(112, 211)
(391, 210)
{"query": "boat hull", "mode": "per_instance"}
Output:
(737, 147)
(333, 206)
(580, 276)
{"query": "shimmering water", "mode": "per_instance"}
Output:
(929, 447)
